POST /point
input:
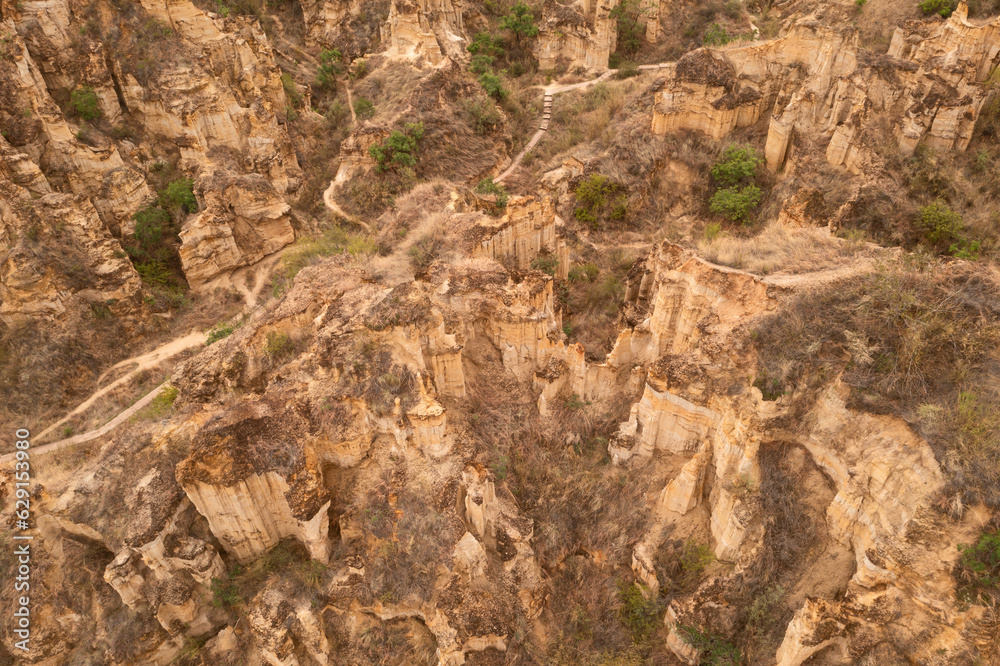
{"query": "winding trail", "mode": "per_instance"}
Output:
(93, 434)
(550, 92)
(142, 362)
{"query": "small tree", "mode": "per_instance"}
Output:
(493, 85)
(943, 8)
(627, 15)
(485, 49)
(329, 68)
(736, 203)
(398, 148)
(737, 163)
(939, 223)
(521, 22)
(488, 186)
(737, 195)
(179, 195)
(85, 103)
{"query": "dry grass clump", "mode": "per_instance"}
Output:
(582, 115)
(778, 248)
(918, 341)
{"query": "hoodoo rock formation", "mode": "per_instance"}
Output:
(818, 83)
(709, 376)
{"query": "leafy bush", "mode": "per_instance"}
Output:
(736, 203)
(627, 15)
(521, 22)
(712, 649)
(639, 614)
(398, 148)
(279, 345)
(545, 264)
(329, 68)
(485, 49)
(738, 163)
(179, 195)
(483, 114)
(939, 223)
(363, 108)
(716, 35)
(359, 69)
(218, 332)
(694, 558)
(598, 203)
(979, 566)
(149, 224)
(85, 103)
(943, 8)
(737, 167)
(493, 85)
(487, 186)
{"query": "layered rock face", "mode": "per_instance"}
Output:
(817, 83)
(578, 35)
(243, 221)
(426, 30)
(214, 108)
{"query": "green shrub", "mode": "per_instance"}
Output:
(979, 566)
(179, 195)
(85, 103)
(712, 649)
(738, 166)
(626, 15)
(487, 186)
(363, 108)
(965, 249)
(943, 8)
(483, 114)
(639, 614)
(694, 558)
(738, 163)
(329, 68)
(398, 148)
(359, 69)
(595, 196)
(279, 345)
(545, 264)
(584, 273)
(149, 225)
(493, 85)
(218, 332)
(521, 22)
(485, 49)
(716, 35)
(939, 223)
(736, 203)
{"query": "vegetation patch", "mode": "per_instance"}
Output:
(736, 195)
(918, 341)
(978, 570)
(600, 200)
